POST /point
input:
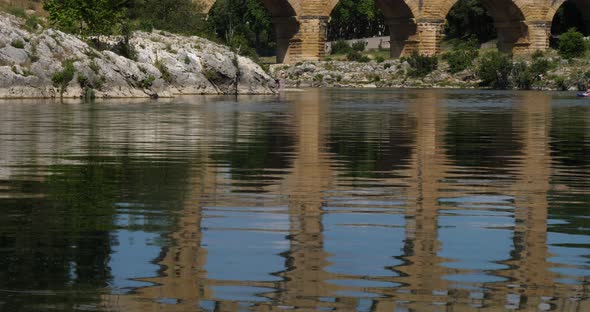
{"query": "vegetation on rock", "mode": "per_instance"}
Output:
(62, 78)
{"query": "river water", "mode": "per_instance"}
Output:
(333, 200)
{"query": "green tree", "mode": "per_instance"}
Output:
(571, 44)
(356, 19)
(243, 25)
(469, 18)
(86, 17)
(177, 16)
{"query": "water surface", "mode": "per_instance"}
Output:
(333, 200)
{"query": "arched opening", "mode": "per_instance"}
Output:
(255, 27)
(388, 23)
(571, 14)
(487, 20)
(356, 19)
(469, 19)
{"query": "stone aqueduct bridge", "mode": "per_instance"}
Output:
(415, 25)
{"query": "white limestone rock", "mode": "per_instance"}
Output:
(164, 65)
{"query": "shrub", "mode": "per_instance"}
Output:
(125, 49)
(19, 44)
(359, 46)
(34, 54)
(421, 65)
(212, 75)
(540, 67)
(16, 11)
(494, 70)
(571, 44)
(386, 65)
(379, 59)
(524, 75)
(354, 56)
(537, 54)
(374, 77)
(560, 83)
(467, 43)
(62, 78)
(91, 53)
(521, 74)
(98, 83)
(166, 76)
(32, 22)
(82, 80)
(341, 47)
(147, 82)
(461, 59)
(94, 67)
(124, 46)
(364, 59)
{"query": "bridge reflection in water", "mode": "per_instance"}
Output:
(432, 234)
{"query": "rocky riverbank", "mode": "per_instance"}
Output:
(346, 74)
(46, 63)
(563, 75)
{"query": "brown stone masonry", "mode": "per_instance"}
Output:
(415, 25)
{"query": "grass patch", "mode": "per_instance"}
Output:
(147, 82)
(165, 74)
(212, 75)
(17, 43)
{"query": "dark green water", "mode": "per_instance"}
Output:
(321, 200)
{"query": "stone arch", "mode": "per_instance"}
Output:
(400, 20)
(582, 6)
(277, 8)
(286, 24)
(509, 21)
(390, 8)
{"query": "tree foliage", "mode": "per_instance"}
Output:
(341, 47)
(178, 16)
(243, 24)
(571, 44)
(353, 19)
(86, 17)
(469, 18)
(494, 70)
(460, 60)
(421, 65)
